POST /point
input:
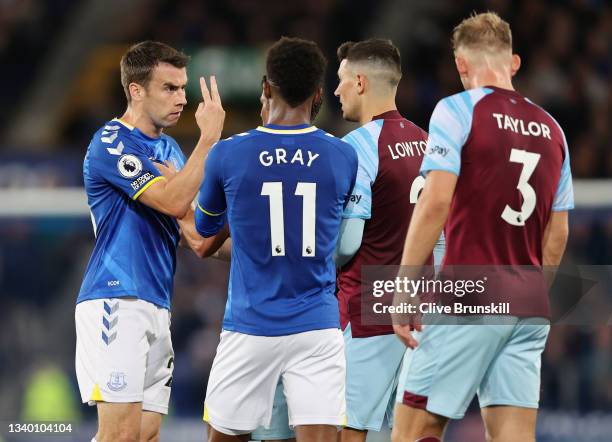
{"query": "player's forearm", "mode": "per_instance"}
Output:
(225, 251)
(427, 222)
(202, 247)
(183, 187)
(555, 240)
(553, 244)
(349, 240)
(554, 249)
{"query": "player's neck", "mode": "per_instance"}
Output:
(142, 122)
(375, 107)
(284, 115)
(490, 77)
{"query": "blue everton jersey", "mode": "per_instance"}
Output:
(135, 250)
(282, 190)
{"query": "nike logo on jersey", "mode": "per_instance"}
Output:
(279, 156)
(516, 125)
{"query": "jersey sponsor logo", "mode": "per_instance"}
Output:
(355, 198)
(142, 180)
(116, 381)
(113, 283)
(438, 150)
(129, 166)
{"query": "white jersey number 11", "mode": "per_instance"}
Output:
(308, 191)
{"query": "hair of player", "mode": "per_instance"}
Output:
(138, 62)
(296, 67)
(379, 53)
(483, 32)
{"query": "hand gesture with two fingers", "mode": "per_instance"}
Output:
(210, 114)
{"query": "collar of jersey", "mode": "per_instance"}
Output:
(137, 131)
(128, 126)
(287, 130)
(389, 115)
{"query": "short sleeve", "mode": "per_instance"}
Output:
(125, 165)
(365, 143)
(211, 205)
(449, 128)
(564, 197)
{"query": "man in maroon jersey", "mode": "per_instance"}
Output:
(497, 174)
(390, 150)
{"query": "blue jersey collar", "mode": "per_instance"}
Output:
(288, 130)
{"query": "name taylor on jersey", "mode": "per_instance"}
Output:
(516, 125)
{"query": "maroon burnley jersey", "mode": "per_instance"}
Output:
(512, 163)
(390, 150)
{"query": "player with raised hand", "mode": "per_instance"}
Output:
(124, 357)
(498, 177)
(281, 188)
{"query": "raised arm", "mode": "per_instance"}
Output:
(174, 196)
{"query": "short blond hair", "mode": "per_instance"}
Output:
(483, 32)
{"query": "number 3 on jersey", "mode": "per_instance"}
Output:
(308, 191)
(529, 161)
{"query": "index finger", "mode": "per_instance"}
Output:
(214, 90)
(205, 93)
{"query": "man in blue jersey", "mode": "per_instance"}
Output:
(281, 188)
(373, 230)
(124, 356)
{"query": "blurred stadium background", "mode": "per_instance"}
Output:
(59, 63)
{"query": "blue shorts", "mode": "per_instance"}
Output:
(498, 361)
(372, 370)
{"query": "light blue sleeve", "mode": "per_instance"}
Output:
(349, 240)
(365, 142)
(564, 198)
(449, 128)
(210, 211)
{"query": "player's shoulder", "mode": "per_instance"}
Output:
(465, 101)
(112, 138)
(171, 141)
(239, 139)
(336, 146)
(366, 135)
(332, 139)
(544, 114)
(364, 139)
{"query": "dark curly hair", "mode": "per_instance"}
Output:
(138, 62)
(296, 67)
(379, 51)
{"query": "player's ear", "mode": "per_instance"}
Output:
(267, 92)
(516, 64)
(462, 65)
(361, 83)
(136, 91)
